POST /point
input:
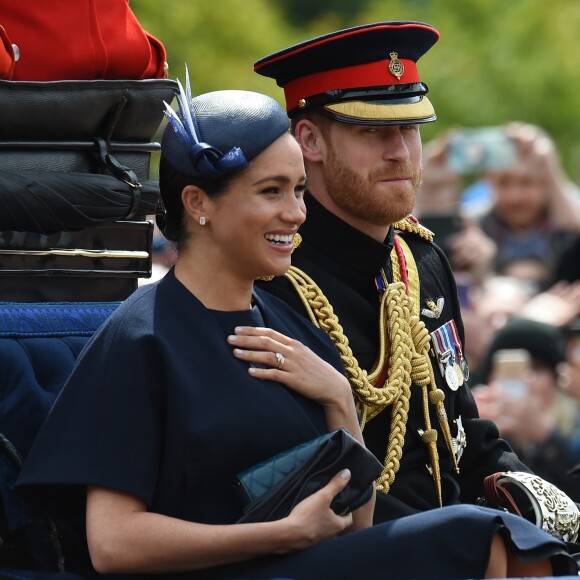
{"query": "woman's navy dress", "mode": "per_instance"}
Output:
(158, 407)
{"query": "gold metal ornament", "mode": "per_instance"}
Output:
(296, 241)
(396, 67)
(302, 104)
(434, 309)
(554, 511)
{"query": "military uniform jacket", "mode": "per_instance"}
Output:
(344, 262)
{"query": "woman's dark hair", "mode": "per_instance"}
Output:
(171, 183)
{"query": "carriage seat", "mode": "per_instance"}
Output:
(39, 344)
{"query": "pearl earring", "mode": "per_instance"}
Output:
(202, 220)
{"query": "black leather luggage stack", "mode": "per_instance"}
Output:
(75, 188)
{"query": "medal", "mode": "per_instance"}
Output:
(442, 353)
(465, 369)
(451, 377)
(459, 349)
(447, 349)
(459, 373)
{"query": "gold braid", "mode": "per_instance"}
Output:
(370, 400)
(408, 362)
(411, 225)
(423, 375)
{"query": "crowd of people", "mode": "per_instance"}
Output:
(514, 253)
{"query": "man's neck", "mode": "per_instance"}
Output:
(377, 232)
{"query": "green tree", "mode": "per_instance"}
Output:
(219, 42)
(304, 12)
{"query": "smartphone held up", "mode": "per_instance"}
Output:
(480, 150)
(509, 369)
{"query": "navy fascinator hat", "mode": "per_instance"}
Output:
(220, 132)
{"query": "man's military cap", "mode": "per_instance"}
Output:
(364, 75)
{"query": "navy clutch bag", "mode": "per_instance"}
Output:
(271, 489)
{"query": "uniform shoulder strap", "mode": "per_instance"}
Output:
(411, 224)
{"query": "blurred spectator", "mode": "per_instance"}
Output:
(489, 306)
(470, 251)
(539, 420)
(522, 216)
(507, 237)
(441, 186)
(559, 305)
(530, 269)
(568, 264)
(535, 207)
(570, 372)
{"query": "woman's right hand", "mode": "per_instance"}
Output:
(300, 368)
(313, 520)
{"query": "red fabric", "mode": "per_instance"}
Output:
(362, 75)
(6, 56)
(80, 39)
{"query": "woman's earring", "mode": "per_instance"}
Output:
(296, 241)
(202, 220)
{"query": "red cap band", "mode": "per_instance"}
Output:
(351, 77)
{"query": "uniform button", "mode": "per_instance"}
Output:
(16, 52)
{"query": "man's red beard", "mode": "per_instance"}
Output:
(358, 195)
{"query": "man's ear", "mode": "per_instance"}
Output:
(310, 139)
(195, 202)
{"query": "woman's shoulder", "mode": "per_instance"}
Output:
(146, 305)
(134, 311)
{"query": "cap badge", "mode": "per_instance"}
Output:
(302, 104)
(396, 67)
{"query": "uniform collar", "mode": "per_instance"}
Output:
(346, 245)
